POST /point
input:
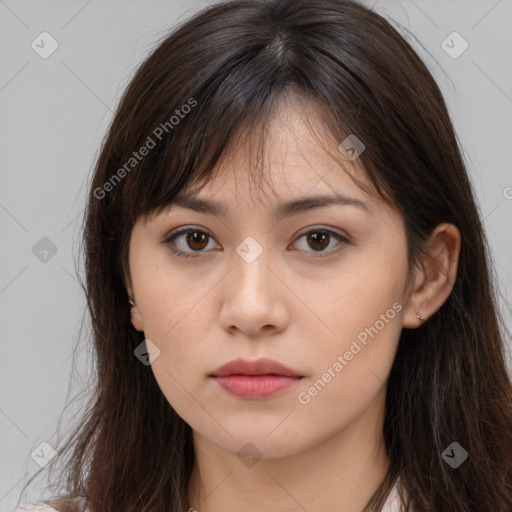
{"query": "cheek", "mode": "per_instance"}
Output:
(165, 293)
(353, 363)
(181, 368)
(367, 294)
(362, 307)
(171, 306)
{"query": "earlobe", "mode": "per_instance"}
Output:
(135, 315)
(434, 277)
(136, 318)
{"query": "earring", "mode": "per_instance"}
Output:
(420, 318)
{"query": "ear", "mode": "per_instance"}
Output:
(135, 317)
(434, 275)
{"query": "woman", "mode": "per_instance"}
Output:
(288, 281)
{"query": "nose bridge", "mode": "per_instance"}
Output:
(251, 263)
(251, 297)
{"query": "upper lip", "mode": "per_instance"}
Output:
(259, 367)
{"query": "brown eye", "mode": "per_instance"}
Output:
(185, 242)
(196, 240)
(318, 241)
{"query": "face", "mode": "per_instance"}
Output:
(320, 289)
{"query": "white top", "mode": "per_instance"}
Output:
(35, 508)
(392, 504)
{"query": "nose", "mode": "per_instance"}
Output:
(254, 297)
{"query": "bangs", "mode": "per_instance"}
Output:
(203, 143)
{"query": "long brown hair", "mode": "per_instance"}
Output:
(221, 73)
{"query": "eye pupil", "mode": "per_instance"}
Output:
(196, 237)
(318, 238)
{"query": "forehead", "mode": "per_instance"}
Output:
(293, 155)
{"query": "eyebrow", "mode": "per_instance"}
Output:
(294, 206)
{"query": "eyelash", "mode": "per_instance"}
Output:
(182, 254)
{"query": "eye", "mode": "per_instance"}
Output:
(320, 239)
(198, 240)
(195, 239)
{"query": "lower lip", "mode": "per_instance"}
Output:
(256, 386)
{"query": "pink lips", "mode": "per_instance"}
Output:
(255, 380)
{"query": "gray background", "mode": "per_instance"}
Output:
(55, 112)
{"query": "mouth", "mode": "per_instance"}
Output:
(255, 380)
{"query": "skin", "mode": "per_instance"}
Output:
(290, 306)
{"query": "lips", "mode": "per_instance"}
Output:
(255, 380)
(259, 367)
